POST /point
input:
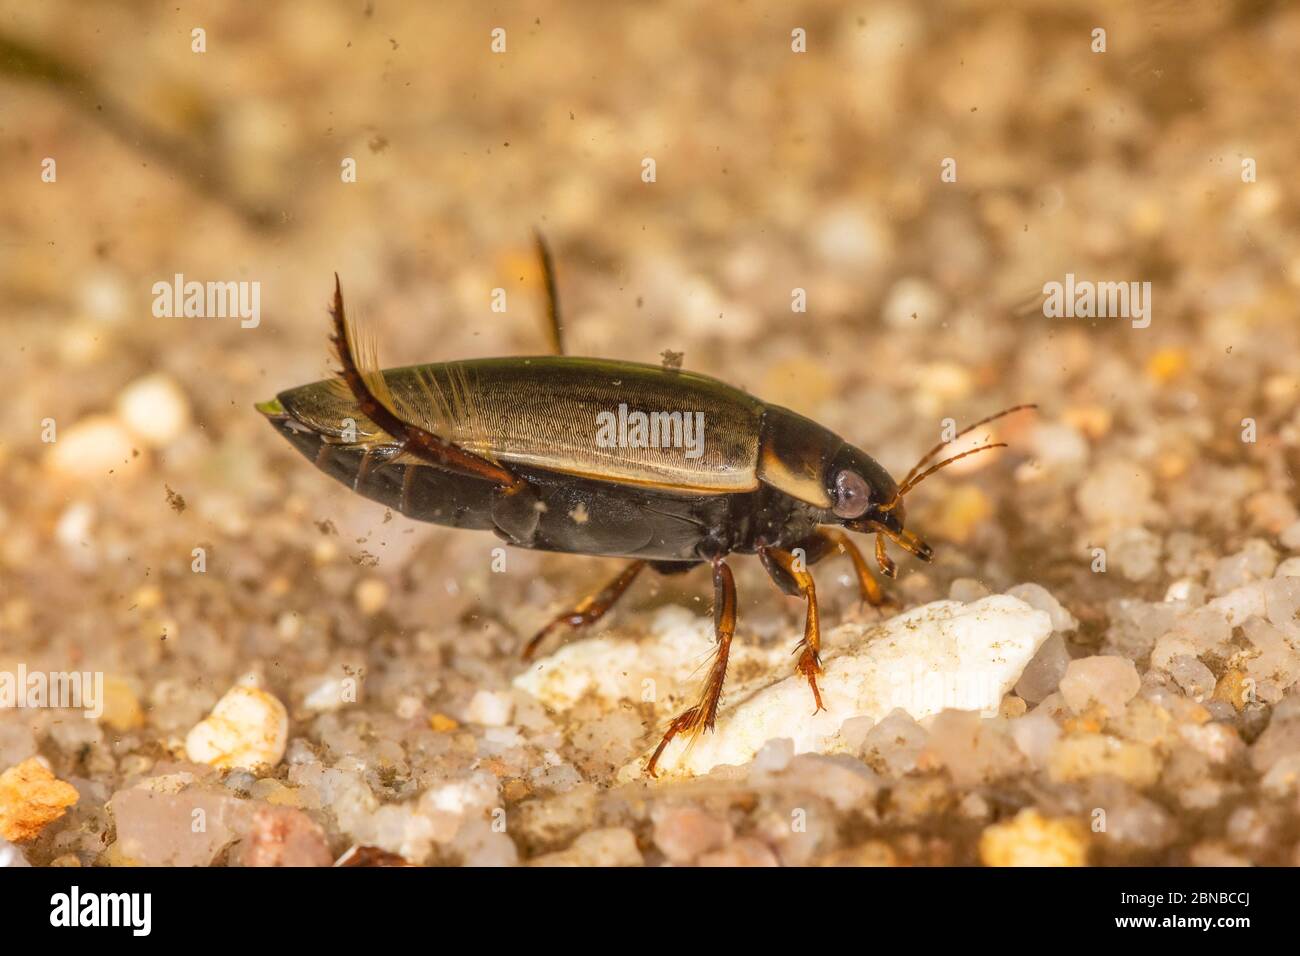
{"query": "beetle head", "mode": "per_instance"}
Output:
(864, 498)
(815, 466)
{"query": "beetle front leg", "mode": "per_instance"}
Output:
(824, 541)
(591, 608)
(702, 716)
(793, 579)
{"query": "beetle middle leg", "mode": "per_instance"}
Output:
(554, 323)
(591, 608)
(702, 715)
(795, 580)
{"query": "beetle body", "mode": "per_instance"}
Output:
(664, 468)
(753, 476)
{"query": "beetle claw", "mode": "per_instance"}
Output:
(810, 666)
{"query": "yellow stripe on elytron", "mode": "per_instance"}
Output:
(802, 485)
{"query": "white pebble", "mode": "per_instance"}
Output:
(1196, 680)
(612, 671)
(1290, 568)
(73, 529)
(1283, 603)
(1187, 591)
(913, 304)
(846, 236)
(247, 728)
(329, 692)
(1035, 736)
(1035, 595)
(1169, 648)
(561, 777)
(940, 656)
(155, 409)
(1240, 603)
(477, 792)
(1109, 681)
(609, 846)
(490, 708)
(480, 845)
(774, 756)
(682, 833)
(91, 448)
(1058, 444)
(842, 780)
(1135, 552)
(894, 745)
(1207, 628)
(10, 855)
(1043, 674)
(1256, 560)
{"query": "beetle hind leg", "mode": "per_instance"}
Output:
(792, 577)
(591, 608)
(701, 717)
(363, 383)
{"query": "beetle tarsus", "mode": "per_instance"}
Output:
(590, 609)
(810, 665)
(687, 720)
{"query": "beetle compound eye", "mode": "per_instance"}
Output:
(852, 495)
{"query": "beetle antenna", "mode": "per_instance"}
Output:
(907, 481)
(915, 480)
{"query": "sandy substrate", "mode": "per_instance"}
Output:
(316, 678)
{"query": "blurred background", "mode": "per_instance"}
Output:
(774, 171)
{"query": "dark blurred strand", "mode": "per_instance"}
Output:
(24, 62)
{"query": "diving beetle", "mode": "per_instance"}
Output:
(509, 445)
